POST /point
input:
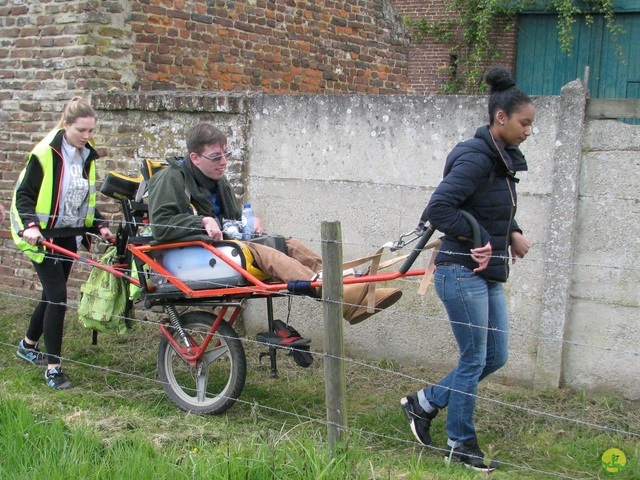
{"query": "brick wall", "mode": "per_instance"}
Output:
(430, 61)
(51, 50)
(283, 46)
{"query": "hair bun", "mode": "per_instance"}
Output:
(499, 79)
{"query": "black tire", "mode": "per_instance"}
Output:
(223, 368)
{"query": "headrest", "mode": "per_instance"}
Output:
(151, 167)
(120, 186)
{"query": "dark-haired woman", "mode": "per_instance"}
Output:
(56, 190)
(479, 177)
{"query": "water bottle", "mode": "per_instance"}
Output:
(248, 232)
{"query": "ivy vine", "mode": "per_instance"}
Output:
(472, 27)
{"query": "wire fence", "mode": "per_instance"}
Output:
(398, 374)
(319, 354)
(156, 278)
(365, 365)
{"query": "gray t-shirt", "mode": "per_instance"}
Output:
(75, 188)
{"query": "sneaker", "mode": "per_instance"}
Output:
(470, 455)
(31, 354)
(56, 379)
(419, 419)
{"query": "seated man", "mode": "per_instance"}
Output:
(193, 195)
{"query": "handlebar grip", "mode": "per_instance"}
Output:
(475, 226)
(38, 241)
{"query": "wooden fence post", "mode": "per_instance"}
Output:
(334, 370)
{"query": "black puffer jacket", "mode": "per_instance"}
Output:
(467, 170)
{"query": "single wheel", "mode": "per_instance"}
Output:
(215, 384)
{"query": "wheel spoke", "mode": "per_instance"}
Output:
(211, 356)
(202, 380)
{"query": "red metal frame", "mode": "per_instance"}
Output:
(256, 287)
(194, 353)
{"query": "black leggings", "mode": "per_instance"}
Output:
(48, 316)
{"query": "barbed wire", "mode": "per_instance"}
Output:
(158, 278)
(399, 374)
(124, 223)
(436, 319)
(402, 375)
(254, 405)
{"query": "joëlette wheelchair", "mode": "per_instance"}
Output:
(201, 360)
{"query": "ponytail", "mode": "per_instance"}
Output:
(77, 107)
(503, 93)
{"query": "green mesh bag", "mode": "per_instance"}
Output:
(103, 299)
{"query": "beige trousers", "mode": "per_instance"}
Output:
(300, 263)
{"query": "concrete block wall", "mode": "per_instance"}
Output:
(372, 163)
(604, 290)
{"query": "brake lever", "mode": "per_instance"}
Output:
(99, 239)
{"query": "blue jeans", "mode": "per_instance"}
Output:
(479, 320)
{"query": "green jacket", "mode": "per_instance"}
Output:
(177, 204)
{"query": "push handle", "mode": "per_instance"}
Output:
(68, 253)
(428, 232)
(475, 226)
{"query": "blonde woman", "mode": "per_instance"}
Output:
(56, 189)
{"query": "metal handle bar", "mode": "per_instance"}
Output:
(113, 270)
(475, 227)
(477, 240)
(70, 232)
(416, 251)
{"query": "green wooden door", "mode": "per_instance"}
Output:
(614, 67)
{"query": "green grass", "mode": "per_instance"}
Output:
(118, 423)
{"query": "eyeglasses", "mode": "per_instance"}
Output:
(217, 158)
